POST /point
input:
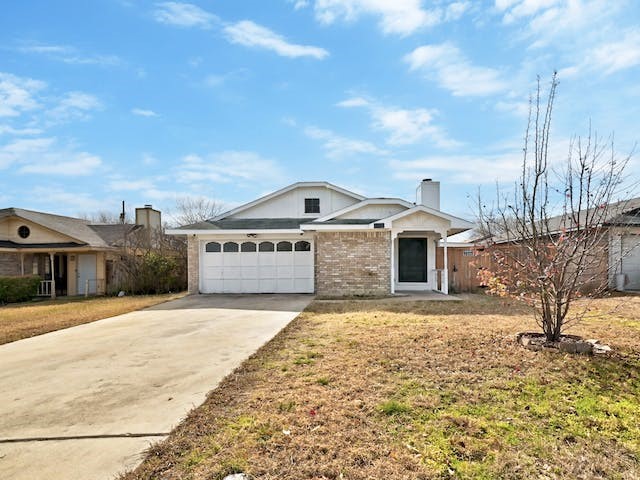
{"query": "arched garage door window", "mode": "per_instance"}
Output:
(285, 247)
(266, 247)
(303, 246)
(212, 247)
(248, 247)
(230, 247)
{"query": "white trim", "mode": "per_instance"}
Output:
(455, 221)
(285, 190)
(364, 203)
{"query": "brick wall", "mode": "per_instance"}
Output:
(353, 263)
(193, 264)
(10, 264)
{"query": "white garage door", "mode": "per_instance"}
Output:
(267, 266)
(631, 261)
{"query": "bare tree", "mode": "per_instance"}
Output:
(190, 210)
(548, 237)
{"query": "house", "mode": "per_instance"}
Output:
(315, 237)
(72, 255)
(618, 258)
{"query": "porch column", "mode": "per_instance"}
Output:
(394, 235)
(22, 263)
(445, 273)
(52, 256)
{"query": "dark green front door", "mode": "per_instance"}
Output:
(412, 259)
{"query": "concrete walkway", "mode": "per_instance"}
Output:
(85, 402)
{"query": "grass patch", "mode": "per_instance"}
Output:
(24, 320)
(419, 390)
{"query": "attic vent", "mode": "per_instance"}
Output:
(378, 225)
(24, 231)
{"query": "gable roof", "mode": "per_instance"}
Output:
(82, 231)
(457, 224)
(364, 203)
(280, 192)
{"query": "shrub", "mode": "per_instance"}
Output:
(18, 289)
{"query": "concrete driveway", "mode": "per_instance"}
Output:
(85, 402)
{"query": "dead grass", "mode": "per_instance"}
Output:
(35, 318)
(402, 390)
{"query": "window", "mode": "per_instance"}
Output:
(467, 253)
(248, 247)
(303, 246)
(284, 246)
(24, 231)
(230, 247)
(311, 205)
(266, 247)
(212, 247)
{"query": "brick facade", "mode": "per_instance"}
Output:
(193, 264)
(353, 263)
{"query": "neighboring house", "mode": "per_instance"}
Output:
(315, 237)
(620, 263)
(73, 256)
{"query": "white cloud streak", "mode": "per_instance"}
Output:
(252, 35)
(397, 17)
(141, 112)
(184, 15)
(453, 71)
(404, 126)
(338, 147)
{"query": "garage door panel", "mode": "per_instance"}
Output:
(213, 273)
(303, 271)
(250, 285)
(267, 285)
(284, 271)
(284, 285)
(250, 270)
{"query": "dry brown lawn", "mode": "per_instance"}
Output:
(418, 390)
(35, 318)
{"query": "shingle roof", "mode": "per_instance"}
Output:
(10, 244)
(99, 236)
(249, 224)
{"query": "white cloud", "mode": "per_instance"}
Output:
(9, 130)
(447, 65)
(250, 34)
(46, 156)
(609, 57)
(228, 166)
(404, 126)
(396, 17)
(184, 15)
(338, 147)
(73, 106)
(63, 164)
(70, 55)
(120, 184)
(18, 94)
(400, 17)
(143, 112)
(467, 169)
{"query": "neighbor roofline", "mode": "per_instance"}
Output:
(285, 190)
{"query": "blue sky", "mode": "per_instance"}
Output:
(143, 101)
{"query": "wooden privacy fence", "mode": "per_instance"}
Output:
(464, 264)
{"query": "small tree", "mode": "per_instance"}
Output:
(548, 238)
(190, 210)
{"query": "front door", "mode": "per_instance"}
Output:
(87, 274)
(412, 260)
